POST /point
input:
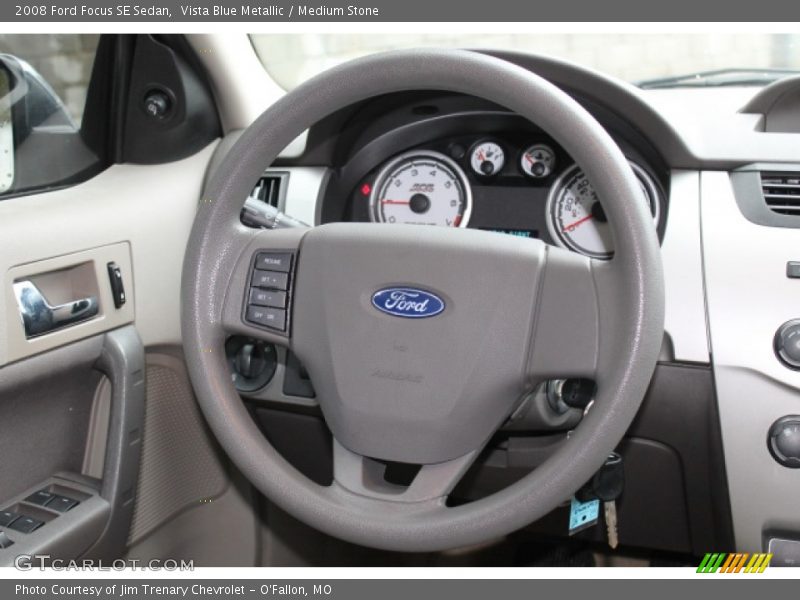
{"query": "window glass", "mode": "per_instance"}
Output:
(64, 61)
(293, 58)
(43, 87)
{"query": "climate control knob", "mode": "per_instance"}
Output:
(787, 343)
(783, 441)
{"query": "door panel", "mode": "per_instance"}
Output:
(150, 208)
(72, 402)
(83, 474)
(50, 504)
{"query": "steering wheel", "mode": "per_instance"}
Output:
(501, 315)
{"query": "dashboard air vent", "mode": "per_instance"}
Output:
(781, 192)
(270, 188)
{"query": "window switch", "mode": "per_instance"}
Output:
(25, 524)
(42, 497)
(5, 541)
(7, 517)
(62, 503)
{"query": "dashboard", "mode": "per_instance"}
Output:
(479, 167)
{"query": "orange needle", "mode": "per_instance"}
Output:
(572, 226)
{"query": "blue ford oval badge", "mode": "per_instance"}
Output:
(410, 303)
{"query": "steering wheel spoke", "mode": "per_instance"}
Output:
(367, 478)
(566, 334)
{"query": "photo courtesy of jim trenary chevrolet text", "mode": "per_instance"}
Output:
(356, 299)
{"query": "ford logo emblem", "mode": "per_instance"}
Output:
(410, 303)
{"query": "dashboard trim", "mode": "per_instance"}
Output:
(749, 297)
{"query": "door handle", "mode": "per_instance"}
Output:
(39, 317)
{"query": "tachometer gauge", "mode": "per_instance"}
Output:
(421, 188)
(575, 217)
(487, 158)
(538, 161)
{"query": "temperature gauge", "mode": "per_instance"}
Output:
(487, 158)
(538, 161)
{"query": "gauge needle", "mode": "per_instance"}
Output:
(572, 226)
(529, 158)
(395, 202)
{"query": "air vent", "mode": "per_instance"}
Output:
(271, 188)
(782, 192)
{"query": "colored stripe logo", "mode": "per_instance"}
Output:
(739, 562)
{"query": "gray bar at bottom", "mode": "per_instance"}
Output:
(700, 586)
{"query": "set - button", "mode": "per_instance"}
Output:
(268, 296)
(271, 298)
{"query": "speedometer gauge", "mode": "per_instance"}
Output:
(421, 188)
(576, 219)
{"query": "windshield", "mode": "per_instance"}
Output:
(659, 60)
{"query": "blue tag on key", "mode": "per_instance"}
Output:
(582, 515)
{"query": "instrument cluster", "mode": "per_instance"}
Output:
(512, 183)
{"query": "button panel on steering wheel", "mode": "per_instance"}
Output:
(270, 291)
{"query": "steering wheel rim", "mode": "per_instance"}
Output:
(629, 290)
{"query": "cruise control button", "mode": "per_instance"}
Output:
(26, 524)
(270, 317)
(7, 517)
(274, 261)
(42, 497)
(270, 279)
(259, 297)
(62, 503)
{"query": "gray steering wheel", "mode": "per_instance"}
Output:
(429, 391)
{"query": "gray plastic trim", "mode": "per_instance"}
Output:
(363, 477)
(98, 526)
(122, 361)
(749, 195)
(749, 297)
(779, 102)
(304, 192)
(685, 323)
(630, 289)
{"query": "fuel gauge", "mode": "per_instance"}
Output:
(487, 158)
(538, 161)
